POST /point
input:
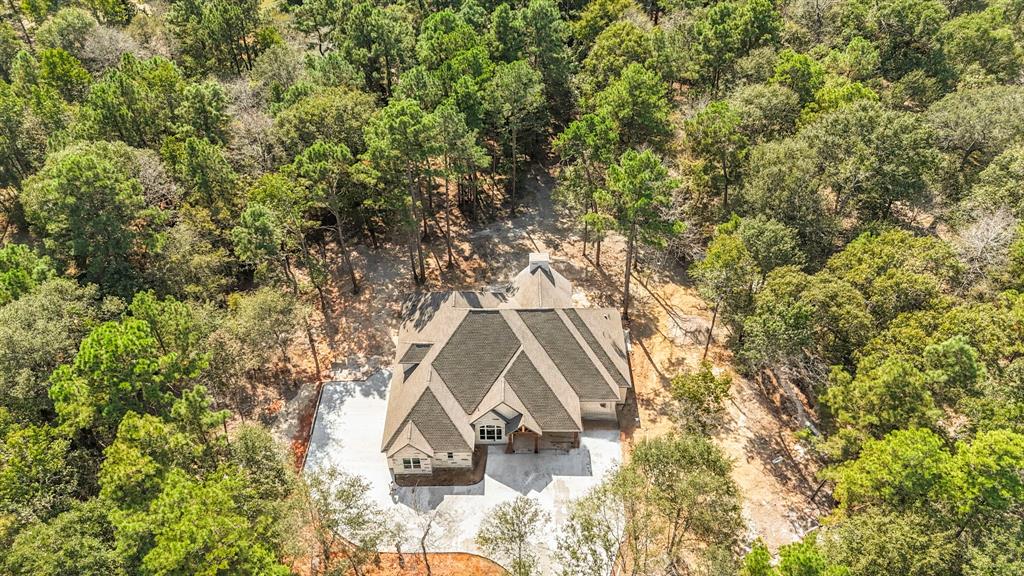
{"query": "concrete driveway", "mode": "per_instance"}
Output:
(347, 435)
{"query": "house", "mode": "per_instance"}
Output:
(522, 367)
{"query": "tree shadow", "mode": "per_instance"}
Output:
(426, 498)
(774, 455)
(376, 386)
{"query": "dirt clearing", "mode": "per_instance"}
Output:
(669, 323)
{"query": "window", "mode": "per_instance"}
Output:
(451, 455)
(490, 433)
(411, 464)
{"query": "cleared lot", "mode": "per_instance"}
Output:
(347, 435)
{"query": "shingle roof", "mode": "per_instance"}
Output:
(570, 358)
(591, 340)
(475, 355)
(537, 396)
(434, 424)
(415, 353)
(457, 360)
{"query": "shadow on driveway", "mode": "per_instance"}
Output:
(426, 498)
(524, 473)
(527, 473)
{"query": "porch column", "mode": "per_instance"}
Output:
(510, 443)
(575, 439)
(536, 443)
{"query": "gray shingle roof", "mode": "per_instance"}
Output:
(434, 424)
(574, 364)
(475, 356)
(588, 336)
(415, 353)
(537, 396)
(471, 365)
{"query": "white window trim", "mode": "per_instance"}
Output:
(412, 464)
(490, 433)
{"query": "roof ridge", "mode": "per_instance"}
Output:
(588, 350)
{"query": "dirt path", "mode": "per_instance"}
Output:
(668, 327)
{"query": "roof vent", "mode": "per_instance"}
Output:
(540, 260)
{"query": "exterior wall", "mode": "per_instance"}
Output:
(489, 419)
(597, 410)
(558, 441)
(458, 460)
(395, 462)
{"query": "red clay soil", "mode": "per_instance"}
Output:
(441, 564)
(454, 564)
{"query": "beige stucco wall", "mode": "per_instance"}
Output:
(488, 419)
(458, 460)
(594, 410)
(395, 462)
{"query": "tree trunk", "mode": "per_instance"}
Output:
(725, 188)
(419, 277)
(515, 158)
(448, 223)
(423, 212)
(426, 557)
(21, 24)
(586, 223)
(419, 255)
(286, 263)
(586, 237)
(630, 242)
(711, 330)
(412, 263)
(324, 306)
(343, 248)
(368, 227)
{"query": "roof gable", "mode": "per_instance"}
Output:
(433, 425)
(475, 355)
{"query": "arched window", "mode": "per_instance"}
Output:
(491, 433)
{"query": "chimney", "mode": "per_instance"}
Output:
(540, 260)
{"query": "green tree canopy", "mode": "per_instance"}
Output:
(89, 208)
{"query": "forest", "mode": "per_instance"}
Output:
(183, 184)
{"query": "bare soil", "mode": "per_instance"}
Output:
(440, 565)
(447, 564)
(775, 476)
